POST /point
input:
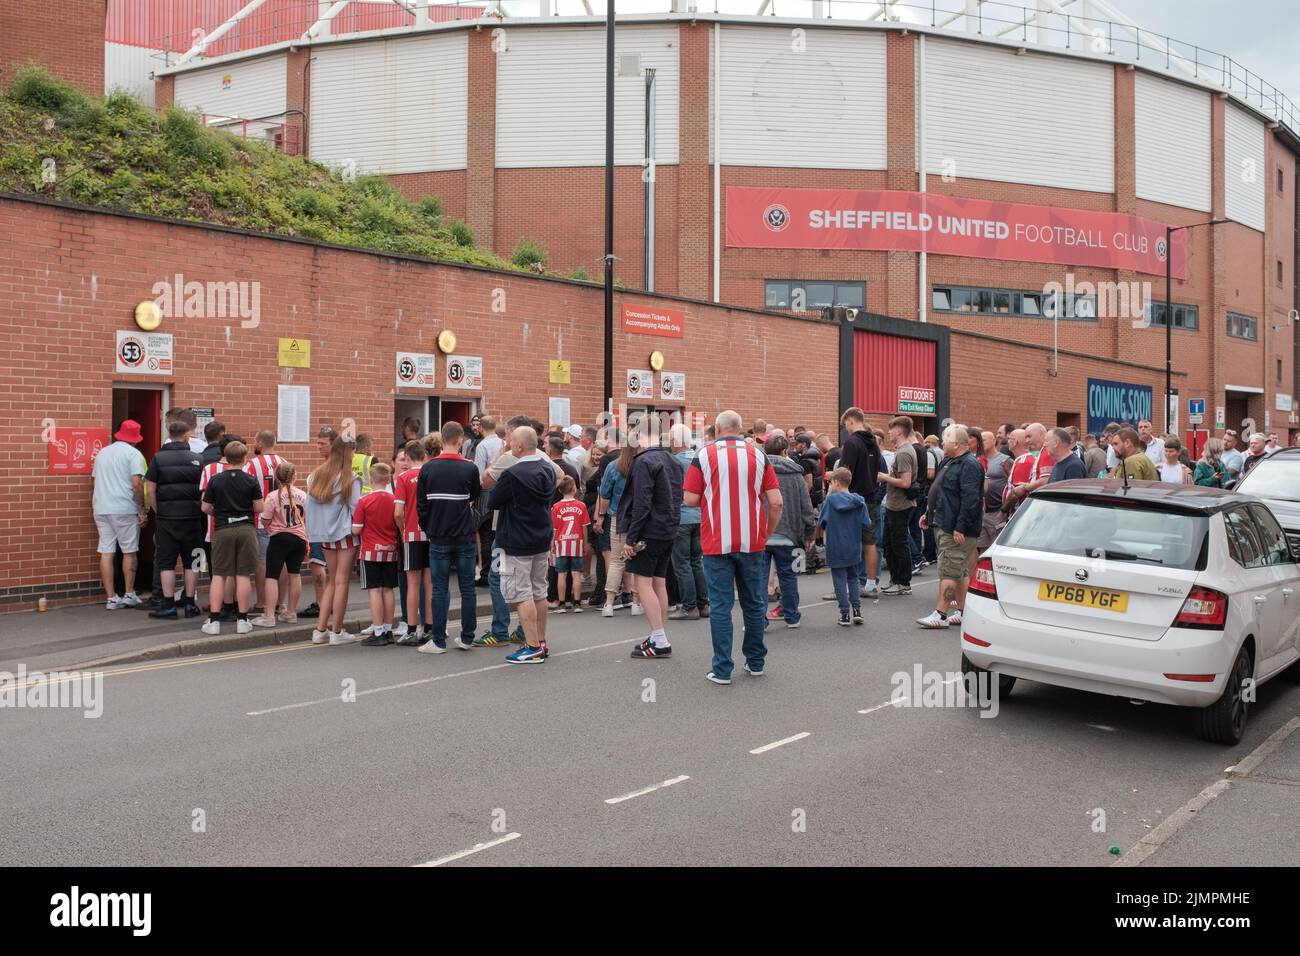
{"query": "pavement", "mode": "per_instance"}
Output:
(90, 634)
(317, 755)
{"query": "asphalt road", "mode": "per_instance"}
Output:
(438, 754)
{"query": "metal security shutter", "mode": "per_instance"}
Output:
(1032, 118)
(1243, 173)
(812, 100)
(128, 67)
(1172, 142)
(391, 106)
(256, 89)
(551, 96)
(882, 364)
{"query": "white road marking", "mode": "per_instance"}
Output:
(644, 791)
(476, 848)
(780, 743)
(888, 703)
(425, 680)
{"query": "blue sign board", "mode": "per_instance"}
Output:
(1196, 406)
(1116, 402)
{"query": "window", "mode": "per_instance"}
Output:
(1013, 303)
(1245, 542)
(1279, 371)
(809, 295)
(1185, 316)
(1243, 326)
(1279, 272)
(1280, 181)
(1273, 538)
(1083, 528)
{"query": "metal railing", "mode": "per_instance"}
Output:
(1022, 24)
(272, 131)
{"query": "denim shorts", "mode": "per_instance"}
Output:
(567, 564)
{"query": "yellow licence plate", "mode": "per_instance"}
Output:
(1081, 595)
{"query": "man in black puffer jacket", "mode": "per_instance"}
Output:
(172, 489)
(648, 515)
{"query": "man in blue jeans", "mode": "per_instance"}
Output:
(445, 493)
(735, 519)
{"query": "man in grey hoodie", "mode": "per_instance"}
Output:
(793, 532)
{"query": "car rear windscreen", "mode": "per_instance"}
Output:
(1118, 531)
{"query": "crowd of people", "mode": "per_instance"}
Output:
(666, 524)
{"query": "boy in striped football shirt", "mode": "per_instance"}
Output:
(375, 522)
(569, 518)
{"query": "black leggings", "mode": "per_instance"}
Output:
(285, 550)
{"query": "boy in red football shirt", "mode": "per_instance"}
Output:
(375, 522)
(569, 518)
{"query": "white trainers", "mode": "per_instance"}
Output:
(319, 637)
(367, 631)
(871, 590)
(606, 611)
(401, 629)
(244, 627)
(429, 647)
(130, 599)
(115, 603)
(954, 618)
(342, 637)
(637, 609)
(211, 627)
(933, 621)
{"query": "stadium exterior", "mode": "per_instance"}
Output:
(502, 119)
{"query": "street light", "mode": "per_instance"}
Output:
(609, 210)
(1169, 312)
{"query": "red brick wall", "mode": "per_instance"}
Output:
(82, 273)
(67, 37)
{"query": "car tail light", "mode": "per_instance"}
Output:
(1205, 609)
(975, 640)
(982, 581)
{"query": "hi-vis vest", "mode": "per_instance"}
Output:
(361, 463)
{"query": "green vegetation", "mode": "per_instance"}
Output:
(529, 255)
(116, 153)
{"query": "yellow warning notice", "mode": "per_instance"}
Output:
(295, 353)
(559, 371)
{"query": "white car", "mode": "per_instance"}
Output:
(1175, 594)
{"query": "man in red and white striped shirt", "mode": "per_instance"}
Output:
(262, 467)
(736, 489)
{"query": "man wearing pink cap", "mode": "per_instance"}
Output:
(118, 507)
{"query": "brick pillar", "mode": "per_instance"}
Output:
(694, 170)
(901, 292)
(481, 140)
(298, 98)
(1217, 322)
(1124, 339)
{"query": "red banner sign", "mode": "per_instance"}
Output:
(774, 218)
(653, 321)
(72, 451)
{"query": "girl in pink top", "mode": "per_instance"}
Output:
(283, 514)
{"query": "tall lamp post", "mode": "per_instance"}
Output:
(609, 210)
(1169, 312)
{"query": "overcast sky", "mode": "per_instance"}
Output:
(1261, 35)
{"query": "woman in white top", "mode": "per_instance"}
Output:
(1172, 470)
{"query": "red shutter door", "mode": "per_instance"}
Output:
(882, 364)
